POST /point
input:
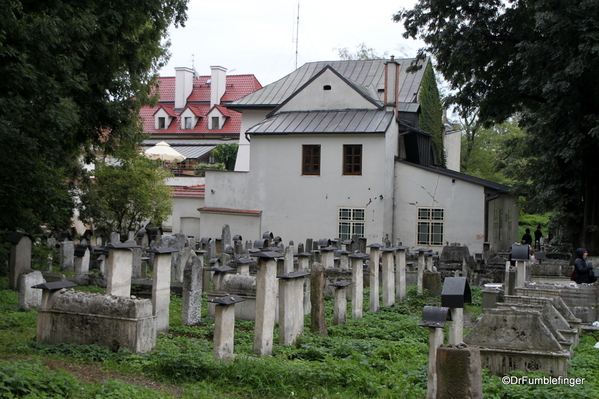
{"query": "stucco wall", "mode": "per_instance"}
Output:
(463, 205)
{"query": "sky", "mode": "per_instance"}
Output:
(259, 37)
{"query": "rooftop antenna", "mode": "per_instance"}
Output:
(297, 35)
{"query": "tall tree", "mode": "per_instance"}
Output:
(74, 74)
(537, 57)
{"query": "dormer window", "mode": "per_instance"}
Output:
(188, 122)
(161, 122)
(215, 122)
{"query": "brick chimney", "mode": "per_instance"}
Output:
(183, 85)
(218, 84)
(391, 83)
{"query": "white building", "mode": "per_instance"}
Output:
(335, 153)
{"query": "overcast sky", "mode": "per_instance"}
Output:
(248, 37)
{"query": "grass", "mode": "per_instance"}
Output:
(382, 355)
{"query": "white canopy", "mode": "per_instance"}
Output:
(164, 152)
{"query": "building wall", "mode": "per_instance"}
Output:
(297, 207)
(250, 118)
(462, 202)
(186, 217)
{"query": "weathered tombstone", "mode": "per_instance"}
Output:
(309, 243)
(291, 306)
(243, 266)
(82, 256)
(224, 325)
(521, 255)
(191, 306)
(343, 259)
(459, 373)
(374, 277)
(288, 267)
(20, 257)
(303, 264)
(143, 238)
(300, 248)
(434, 318)
(340, 302)
(67, 255)
(29, 297)
(357, 265)
(226, 236)
(388, 277)
(266, 296)
(136, 262)
(421, 267)
(161, 287)
(115, 238)
(318, 321)
(119, 269)
(327, 256)
(131, 235)
(456, 293)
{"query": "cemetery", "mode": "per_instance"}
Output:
(466, 320)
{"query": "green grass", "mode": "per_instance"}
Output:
(382, 355)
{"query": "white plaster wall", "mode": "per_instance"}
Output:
(297, 207)
(463, 203)
(185, 208)
(340, 96)
(250, 118)
(452, 141)
(248, 227)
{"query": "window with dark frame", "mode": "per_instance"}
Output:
(311, 160)
(352, 159)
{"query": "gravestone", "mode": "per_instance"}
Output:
(192, 291)
(20, 257)
(29, 297)
(67, 256)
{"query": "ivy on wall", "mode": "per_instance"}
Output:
(431, 116)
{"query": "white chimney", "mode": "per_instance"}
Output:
(218, 84)
(183, 85)
(391, 83)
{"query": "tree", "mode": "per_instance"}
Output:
(226, 154)
(537, 58)
(74, 74)
(363, 52)
(123, 196)
(431, 117)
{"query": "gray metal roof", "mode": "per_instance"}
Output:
(343, 121)
(369, 74)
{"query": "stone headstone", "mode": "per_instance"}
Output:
(20, 257)
(226, 236)
(67, 255)
(115, 238)
(192, 291)
(30, 298)
(318, 323)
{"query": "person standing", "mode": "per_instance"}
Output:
(583, 269)
(538, 236)
(527, 238)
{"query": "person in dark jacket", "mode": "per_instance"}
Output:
(583, 269)
(527, 238)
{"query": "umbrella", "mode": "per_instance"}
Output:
(164, 152)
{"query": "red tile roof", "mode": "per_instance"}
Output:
(231, 211)
(197, 191)
(237, 86)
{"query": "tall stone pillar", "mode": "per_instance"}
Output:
(374, 277)
(161, 286)
(291, 306)
(266, 296)
(388, 277)
(119, 267)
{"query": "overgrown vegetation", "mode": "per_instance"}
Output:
(382, 355)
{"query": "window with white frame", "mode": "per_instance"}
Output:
(351, 223)
(161, 122)
(188, 122)
(430, 226)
